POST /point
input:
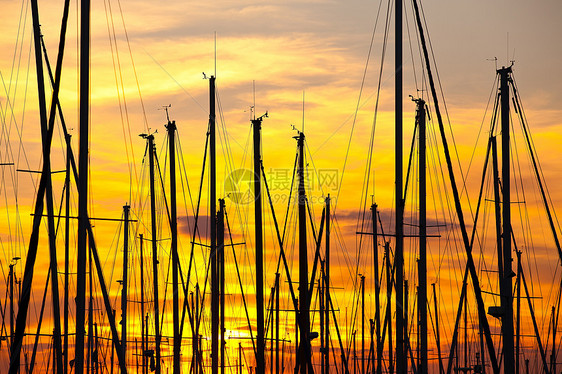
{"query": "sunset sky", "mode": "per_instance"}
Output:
(309, 65)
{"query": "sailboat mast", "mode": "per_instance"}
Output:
(553, 352)
(399, 250)
(151, 151)
(143, 339)
(90, 314)
(171, 127)
(126, 210)
(505, 278)
(322, 305)
(388, 315)
(303, 265)
(518, 315)
(96, 345)
(192, 317)
(66, 252)
(221, 277)
(260, 359)
(277, 323)
(11, 284)
(377, 290)
(197, 336)
(213, 212)
(327, 289)
(406, 340)
(82, 182)
(362, 324)
(422, 270)
(271, 329)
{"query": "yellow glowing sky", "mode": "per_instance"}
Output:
(312, 51)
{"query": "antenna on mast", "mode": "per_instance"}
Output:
(507, 49)
(251, 110)
(165, 107)
(511, 61)
(215, 54)
(302, 110)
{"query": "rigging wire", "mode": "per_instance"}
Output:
(358, 104)
(362, 209)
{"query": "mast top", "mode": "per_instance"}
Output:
(148, 136)
(171, 126)
(257, 121)
(506, 69)
(299, 137)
